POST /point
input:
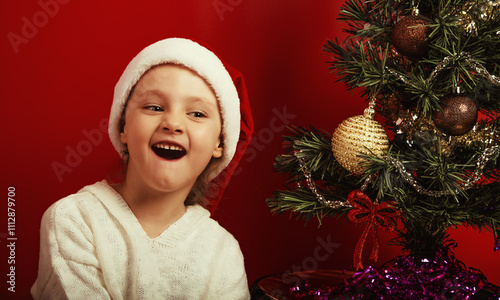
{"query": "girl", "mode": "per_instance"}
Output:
(178, 116)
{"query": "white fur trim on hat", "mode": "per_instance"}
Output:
(197, 58)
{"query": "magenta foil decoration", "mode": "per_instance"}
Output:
(409, 277)
(412, 278)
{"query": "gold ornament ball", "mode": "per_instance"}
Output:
(358, 135)
(457, 116)
(410, 36)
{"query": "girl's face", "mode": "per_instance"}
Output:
(172, 129)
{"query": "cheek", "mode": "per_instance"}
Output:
(215, 134)
(207, 139)
(136, 133)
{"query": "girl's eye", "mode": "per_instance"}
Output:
(154, 108)
(197, 114)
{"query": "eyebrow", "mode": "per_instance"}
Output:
(195, 99)
(155, 92)
(192, 99)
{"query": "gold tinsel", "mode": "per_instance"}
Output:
(359, 135)
(410, 123)
(483, 10)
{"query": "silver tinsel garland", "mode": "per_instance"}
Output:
(476, 67)
(464, 185)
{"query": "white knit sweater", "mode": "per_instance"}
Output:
(93, 247)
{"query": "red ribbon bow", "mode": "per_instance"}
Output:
(375, 215)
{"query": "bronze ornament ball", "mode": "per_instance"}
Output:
(410, 36)
(457, 116)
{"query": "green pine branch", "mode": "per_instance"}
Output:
(332, 181)
(360, 60)
(426, 175)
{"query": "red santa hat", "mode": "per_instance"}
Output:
(227, 83)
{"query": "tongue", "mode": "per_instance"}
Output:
(168, 154)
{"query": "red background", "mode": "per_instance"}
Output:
(60, 82)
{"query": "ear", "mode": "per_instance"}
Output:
(219, 147)
(123, 137)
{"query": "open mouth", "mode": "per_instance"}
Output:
(168, 152)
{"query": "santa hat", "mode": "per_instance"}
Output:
(227, 83)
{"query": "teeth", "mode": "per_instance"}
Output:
(169, 147)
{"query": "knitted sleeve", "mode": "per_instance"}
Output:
(68, 266)
(231, 282)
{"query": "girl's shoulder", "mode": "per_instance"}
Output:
(83, 207)
(200, 219)
(71, 225)
(203, 226)
(86, 199)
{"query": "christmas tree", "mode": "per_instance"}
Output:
(424, 156)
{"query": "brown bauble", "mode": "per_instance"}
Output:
(410, 36)
(457, 116)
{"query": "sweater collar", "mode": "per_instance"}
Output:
(117, 207)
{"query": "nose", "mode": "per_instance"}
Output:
(172, 123)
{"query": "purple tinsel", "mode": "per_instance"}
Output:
(408, 277)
